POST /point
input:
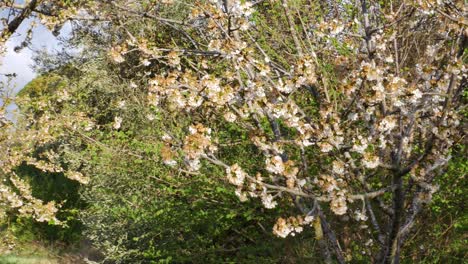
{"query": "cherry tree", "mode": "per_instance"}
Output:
(17, 143)
(354, 113)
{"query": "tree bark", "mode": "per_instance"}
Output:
(391, 249)
(331, 237)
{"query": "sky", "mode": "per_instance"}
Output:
(21, 62)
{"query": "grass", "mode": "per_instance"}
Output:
(13, 251)
(14, 259)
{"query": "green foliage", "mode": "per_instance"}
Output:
(137, 210)
(44, 85)
(443, 227)
(51, 187)
(35, 100)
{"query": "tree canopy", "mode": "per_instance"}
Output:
(324, 121)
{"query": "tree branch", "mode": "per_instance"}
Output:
(16, 22)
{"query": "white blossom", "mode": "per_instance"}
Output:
(275, 165)
(236, 175)
(370, 161)
(360, 216)
(387, 124)
(268, 202)
(361, 145)
(338, 167)
(338, 205)
(230, 117)
(117, 122)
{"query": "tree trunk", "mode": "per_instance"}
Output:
(391, 249)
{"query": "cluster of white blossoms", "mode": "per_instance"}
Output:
(305, 71)
(329, 134)
(351, 127)
(360, 144)
(291, 226)
(196, 144)
(287, 169)
(230, 116)
(338, 167)
(335, 188)
(274, 165)
(167, 154)
(255, 188)
(77, 176)
(254, 93)
(43, 165)
(236, 175)
(173, 59)
(288, 112)
(301, 74)
(241, 11)
(63, 96)
(216, 93)
(360, 215)
(267, 199)
(50, 163)
(241, 8)
(25, 203)
(116, 53)
(332, 28)
(338, 203)
(327, 183)
(370, 161)
(117, 122)
(371, 71)
(387, 124)
(9, 197)
(187, 92)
